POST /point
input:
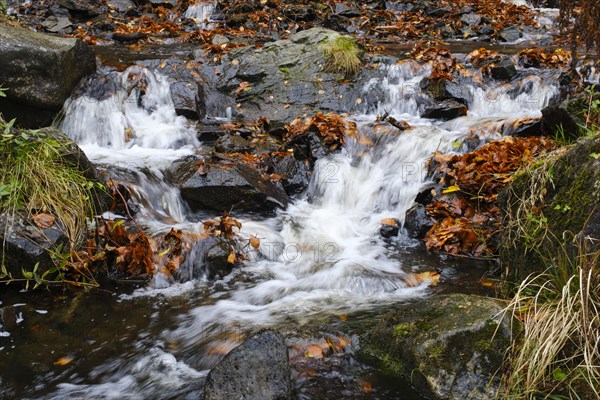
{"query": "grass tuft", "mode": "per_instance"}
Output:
(342, 55)
(38, 175)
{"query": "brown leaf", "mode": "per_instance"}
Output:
(43, 220)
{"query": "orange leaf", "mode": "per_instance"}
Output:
(255, 242)
(44, 221)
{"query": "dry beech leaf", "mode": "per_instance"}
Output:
(43, 220)
(255, 242)
(314, 351)
(64, 361)
(389, 221)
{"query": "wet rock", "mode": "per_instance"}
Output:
(227, 186)
(390, 227)
(257, 369)
(284, 78)
(448, 347)
(565, 118)
(570, 204)
(232, 144)
(417, 223)
(163, 3)
(471, 19)
(88, 8)
(39, 72)
(56, 24)
(121, 6)
(346, 11)
(510, 35)
(220, 39)
(295, 173)
(25, 244)
(505, 70)
(438, 12)
(443, 89)
(523, 128)
(445, 111)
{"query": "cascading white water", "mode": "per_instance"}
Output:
(200, 13)
(128, 121)
(137, 112)
(323, 255)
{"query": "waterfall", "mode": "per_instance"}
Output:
(200, 13)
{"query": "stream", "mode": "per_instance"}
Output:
(322, 268)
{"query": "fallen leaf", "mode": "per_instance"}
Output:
(314, 351)
(255, 242)
(64, 361)
(44, 221)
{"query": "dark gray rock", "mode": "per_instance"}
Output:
(227, 186)
(295, 173)
(566, 118)
(258, 369)
(438, 12)
(88, 8)
(417, 223)
(25, 244)
(510, 35)
(121, 6)
(390, 230)
(56, 24)
(284, 79)
(471, 19)
(164, 3)
(449, 347)
(445, 111)
(505, 70)
(39, 72)
(444, 89)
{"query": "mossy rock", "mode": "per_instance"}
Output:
(448, 347)
(568, 215)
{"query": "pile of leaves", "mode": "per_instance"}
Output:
(536, 58)
(331, 129)
(224, 227)
(441, 60)
(274, 145)
(465, 214)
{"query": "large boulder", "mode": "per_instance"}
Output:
(39, 72)
(285, 78)
(565, 119)
(257, 369)
(448, 347)
(553, 211)
(222, 186)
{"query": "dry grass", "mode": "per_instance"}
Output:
(558, 355)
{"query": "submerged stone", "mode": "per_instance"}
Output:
(258, 369)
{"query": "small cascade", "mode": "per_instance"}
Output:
(398, 89)
(127, 122)
(526, 96)
(125, 110)
(200, 13)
